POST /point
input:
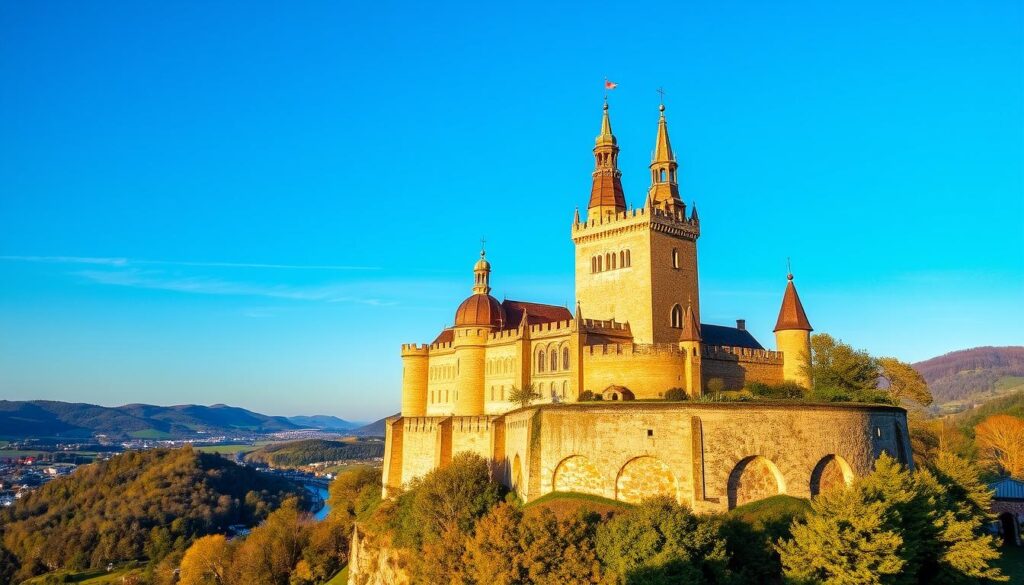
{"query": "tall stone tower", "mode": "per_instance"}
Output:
(638, 265)
(475, 318)
(793, 337)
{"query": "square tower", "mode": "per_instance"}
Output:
(640, 267)
(637, 266)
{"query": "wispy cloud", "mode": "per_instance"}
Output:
(206, 264)
(155, 280)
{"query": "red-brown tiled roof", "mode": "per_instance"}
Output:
(480, 309)
(446, 336)
(607, 191)
(536, 313)
(791, 315)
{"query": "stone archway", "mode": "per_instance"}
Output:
(754, 478)
(517, 476)
(577, 474)
(645, 477)
(831, 472)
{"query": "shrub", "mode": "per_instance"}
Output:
(716, 385)
(676, 394)
(586, 396)
(783, 390)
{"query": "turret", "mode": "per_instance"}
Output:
(415, 369)
(793, 337)
(606, 196)
(664, 191)
(690, 342)
(475, 318)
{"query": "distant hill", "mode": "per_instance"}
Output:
(324, 423)
(974, 375)
(46, 418)
(374, 429)
(297, 453)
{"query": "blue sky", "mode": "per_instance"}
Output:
(255, 203)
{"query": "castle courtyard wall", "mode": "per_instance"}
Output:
(647, 370)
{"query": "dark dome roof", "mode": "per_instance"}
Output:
(480, 310)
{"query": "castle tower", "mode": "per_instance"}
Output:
(689, 342)
(415, 371)
(793, 337)
(606, 197)
(664, 191)
(475, 318)
(639, 266)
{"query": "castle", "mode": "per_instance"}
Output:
(635, 334)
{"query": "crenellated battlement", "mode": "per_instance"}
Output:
(472, 424)
(552, 326)
(673, 222)
(443, 345)
(422, 424)
(743, 354)
(412, 349)
(599, 325)
(630, 349)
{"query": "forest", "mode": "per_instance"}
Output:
(298, 453)
(138, 505)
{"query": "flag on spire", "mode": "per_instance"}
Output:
(610, 84)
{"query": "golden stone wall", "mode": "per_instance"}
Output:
(646, 370)
(739, 366)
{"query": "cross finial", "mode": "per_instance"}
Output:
(661, 92)
(789, 269)
(482, 246)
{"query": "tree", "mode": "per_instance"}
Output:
(206, 562)
(354, 492)
(658, 542)
(846, 540)
(523, 396)
(904, 381)
(494, 555)
(676, 394)
(273, 549)
(962, 504)
(1000, 440)
(839, 372)
(559, 551)
(716, 386)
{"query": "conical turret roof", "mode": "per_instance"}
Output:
(791, 315)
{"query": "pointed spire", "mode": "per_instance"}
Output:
(606, 196)
(791, 315)
(664, 189)
(579, 313)
(576, 218)
(691, 328)
(693, 214)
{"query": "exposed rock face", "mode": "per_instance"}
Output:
(372, 562)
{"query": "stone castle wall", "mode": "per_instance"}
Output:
(711, 456)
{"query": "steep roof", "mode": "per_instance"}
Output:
(536, 313)
(731, 336)
(691, 328)
(1008, 489)
(791, 315)
(446, 336)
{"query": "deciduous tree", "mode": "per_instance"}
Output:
(904, 381)
(206, 562)
(1000, 441)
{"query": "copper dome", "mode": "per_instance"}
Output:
(480, 309)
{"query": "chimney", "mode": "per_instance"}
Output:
(741, 324)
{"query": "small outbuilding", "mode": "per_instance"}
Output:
(1008, 507)
(617, 393)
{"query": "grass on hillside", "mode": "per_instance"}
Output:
(149, 434)
(563, 503)
(226, 449)
(340, 579)
(771, 510)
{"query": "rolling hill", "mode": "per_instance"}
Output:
(324, 422)
(974, 375)
(46, 418)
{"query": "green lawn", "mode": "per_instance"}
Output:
(1012, 563)
(149, 434)
(14, 453)
(563, 503)
(89, 577)
(771, 510)
(227, 449)
(339, 579)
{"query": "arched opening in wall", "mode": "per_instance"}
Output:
(901, 447)
(553, 358)
(830, 473)
(615, 392)
(754, 478)
(540, 360)
(675, 258)
(565, 358)
(565, 389)
(1009, 528)
(622, 258)
(599, 268)
(677, 316)
(576, 473)
(517, 475)
(645, 477)
(593, 264)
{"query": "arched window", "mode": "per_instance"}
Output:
(677, 316)
(593, 264)
(540, 388)
(662, 175)
(628, 261)
(553, 355)
(565, 358)
(565, 388)
(599, 268)
(503, 392)
(622, 258)
(608, 261)
(675, 258)
(540, 361)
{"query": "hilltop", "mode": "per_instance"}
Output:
(961, 378)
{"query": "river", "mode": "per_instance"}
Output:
(321, 494)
